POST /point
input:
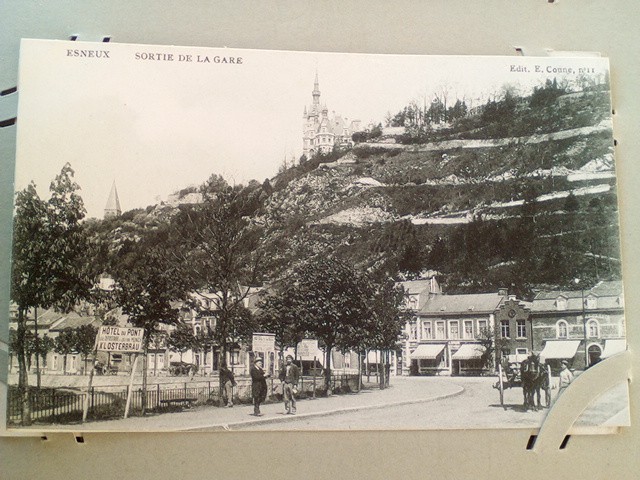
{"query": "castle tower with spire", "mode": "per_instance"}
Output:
(112, 208)
(321, 131)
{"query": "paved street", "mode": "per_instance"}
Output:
(477, 406)
(410, 403)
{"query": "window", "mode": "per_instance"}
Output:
(592, 302)
(561, 303)
(504, 329)
(468, 329)
(521, 351)
(426, 330)
(454, 330)
(235, 357)
(440, 330)
(482, 326)
(593, 329)
(562, 329)
(55, 365)
(521, 328)
(412, 302)
(413, 335)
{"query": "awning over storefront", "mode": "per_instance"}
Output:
(611, 347)
(427, 351)
(468, 351)
(559, 349)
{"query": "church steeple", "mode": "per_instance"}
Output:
(113, 203)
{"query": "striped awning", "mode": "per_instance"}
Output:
(559, 349)
(468, 351)
(427, 351)
(611, 347)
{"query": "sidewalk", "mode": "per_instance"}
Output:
(403, 391)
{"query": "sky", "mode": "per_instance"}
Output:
(155, 124)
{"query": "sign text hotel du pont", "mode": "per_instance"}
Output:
(119, 339)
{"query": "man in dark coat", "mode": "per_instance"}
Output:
(258, 386)
(228, 380)
(289, 376)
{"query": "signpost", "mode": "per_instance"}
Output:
(117, 340)
(265, 344)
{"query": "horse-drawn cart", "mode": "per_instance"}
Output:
(529, 374)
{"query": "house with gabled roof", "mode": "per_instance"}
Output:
(442, 336)
(579, 326)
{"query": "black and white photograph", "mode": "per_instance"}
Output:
(226, 239)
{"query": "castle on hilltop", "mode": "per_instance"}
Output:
(322, 131)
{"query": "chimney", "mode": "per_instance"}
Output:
(503, 292)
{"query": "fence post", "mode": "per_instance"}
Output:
(158, 395)
(185, 389)
(93, 393)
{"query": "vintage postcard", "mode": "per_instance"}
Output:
(243, 239)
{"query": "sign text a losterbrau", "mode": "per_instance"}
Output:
(120, 339)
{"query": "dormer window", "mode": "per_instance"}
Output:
(561, 303)
(412, 302)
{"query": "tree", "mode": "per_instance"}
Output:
(329, 298)
(277, 316)
(492, 346)
(182, 340)
(65, 344)
(219, 247)
(49, 245)
(45, 345)
(84, 341)
(148, 283)
(385, 320)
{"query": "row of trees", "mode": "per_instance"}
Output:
(335, 303)
(156, 264)
(69, 341)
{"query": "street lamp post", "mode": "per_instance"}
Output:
(584, 325)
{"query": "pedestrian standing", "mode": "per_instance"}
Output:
(289, 376)
(258, 386)
(566, 377)
(228, 382)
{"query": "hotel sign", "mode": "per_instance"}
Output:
(118, 339)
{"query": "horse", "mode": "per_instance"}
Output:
(528, 375)
(534, 379)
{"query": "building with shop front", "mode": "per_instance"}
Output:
(513, 336)
(443, 338)
(579, 326)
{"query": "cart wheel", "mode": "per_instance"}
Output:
(501, 386)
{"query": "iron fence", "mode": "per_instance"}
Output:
(66, 406)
